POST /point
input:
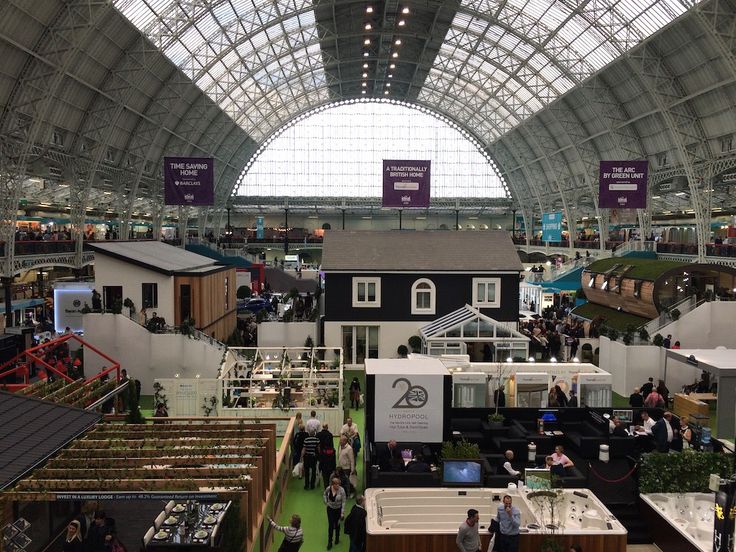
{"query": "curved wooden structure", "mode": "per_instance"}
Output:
(647, 287)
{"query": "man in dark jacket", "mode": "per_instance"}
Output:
(355, 525)
(389, 457)
(647, 388)
(666, 433)
(100, 534)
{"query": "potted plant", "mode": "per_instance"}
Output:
(658, 340)
(495, 419)
(643, 334)
(613, 334)
(128, 304)
(675, 314)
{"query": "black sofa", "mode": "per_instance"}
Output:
(585, 437)
(573, 478)
(474, 430)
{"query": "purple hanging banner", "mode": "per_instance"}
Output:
(406, 183)
(189, 181)
(623, 185)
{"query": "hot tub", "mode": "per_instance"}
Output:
(407, 519)
(691, 514)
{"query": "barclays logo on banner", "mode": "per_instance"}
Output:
(414, 396)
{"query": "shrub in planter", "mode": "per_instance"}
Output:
(613, 334)
(643, 334)
(658, 340)
(128, 304)
(675, 314)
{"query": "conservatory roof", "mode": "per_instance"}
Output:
(469, 323)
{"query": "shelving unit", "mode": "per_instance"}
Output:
(284, 378)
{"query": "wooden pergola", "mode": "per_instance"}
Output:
(236, 461)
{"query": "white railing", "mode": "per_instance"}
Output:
(686, 305)
(556, 272)
(635, 245)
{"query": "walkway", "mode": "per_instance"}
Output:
(309, 505)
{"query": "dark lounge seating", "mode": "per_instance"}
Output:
(403, 479)
(474, 430)
(585, 438)
(621, 447)
(573, 478)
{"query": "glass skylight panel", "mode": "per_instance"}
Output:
(338, 153)
(579, 39)
(219, 44)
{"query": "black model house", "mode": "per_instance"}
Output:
(381, 287)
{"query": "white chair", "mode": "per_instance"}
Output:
(169, 506)
(148, 536)
(159, 520)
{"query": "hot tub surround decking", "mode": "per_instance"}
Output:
(691, 514)
(428, 519)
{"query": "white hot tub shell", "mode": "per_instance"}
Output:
(412, 511)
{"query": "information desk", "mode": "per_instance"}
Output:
(684, 405)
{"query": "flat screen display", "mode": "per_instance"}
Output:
(537, 478)
(462, 472)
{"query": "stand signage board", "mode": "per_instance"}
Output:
(189, 181)
(552, 227)
(623, 184)
(409, 408)
(406, 183)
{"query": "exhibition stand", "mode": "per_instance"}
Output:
(526, 384)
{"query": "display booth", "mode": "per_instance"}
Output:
(526, 384)
(268, 381)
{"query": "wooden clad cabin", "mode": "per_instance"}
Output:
(174, 283)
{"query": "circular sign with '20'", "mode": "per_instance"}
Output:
(414, 396)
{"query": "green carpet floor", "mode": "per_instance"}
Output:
(309, 505)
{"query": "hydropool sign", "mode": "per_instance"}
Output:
(409, 408)
(259, 228)
(552, 227)
(623, 184)
(189, 181)
(406, 183)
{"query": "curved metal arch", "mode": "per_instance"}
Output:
(430, 110)
(492, 20)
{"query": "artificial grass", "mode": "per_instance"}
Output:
(611, 317)
(309, 505)
(644, 269)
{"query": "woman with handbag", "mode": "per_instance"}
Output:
(293, 534)
(335, 499)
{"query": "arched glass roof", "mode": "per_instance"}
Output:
(338, 152)
(500, 61)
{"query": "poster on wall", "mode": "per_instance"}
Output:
(623, 184)
(409, 408)
(259, 228)
(189, 181)
(552, 227)
(406, 183)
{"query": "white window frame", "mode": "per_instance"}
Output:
(477, 302)
(432, 296)
(357, 280)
